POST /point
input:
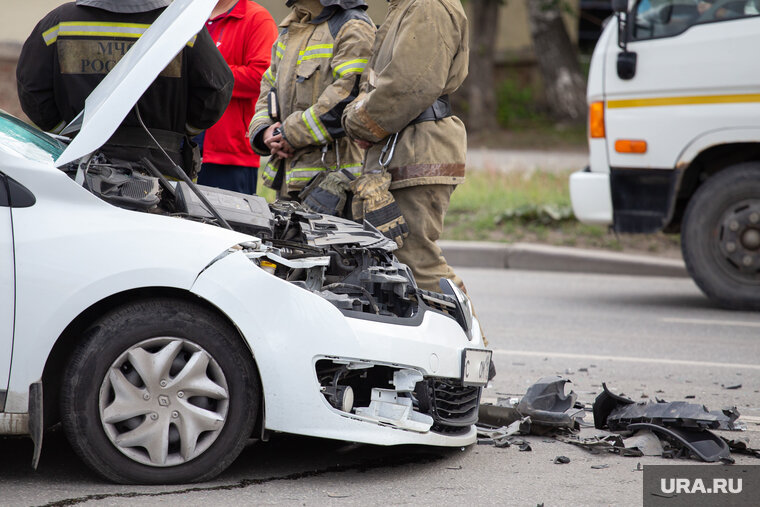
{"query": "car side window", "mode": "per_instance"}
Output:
(666, 18)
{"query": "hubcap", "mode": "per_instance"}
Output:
(163, 401)
(739, 240)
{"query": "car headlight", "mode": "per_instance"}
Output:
(463, 304)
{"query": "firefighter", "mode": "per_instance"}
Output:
(72, 49)
(322, 49)
(403, 117)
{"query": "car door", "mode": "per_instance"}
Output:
(7, 288)
(696, 72)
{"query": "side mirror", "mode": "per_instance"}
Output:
(626, 62)
(619, 6)
(626, 65)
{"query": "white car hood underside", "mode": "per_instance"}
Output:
(114, 97)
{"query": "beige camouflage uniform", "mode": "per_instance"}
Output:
(420, 53)
(315, 70)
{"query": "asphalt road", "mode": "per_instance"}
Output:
(643, 336)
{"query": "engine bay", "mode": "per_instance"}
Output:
(351, 265)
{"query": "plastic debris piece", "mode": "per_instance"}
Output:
(548, 406)
(703, 444)
(605, 403)
(616, 413)
(740, 446)
(601, 443)
(731, 386)
(561, 460)
(646, 442)
(599, 467)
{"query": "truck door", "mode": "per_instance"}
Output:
(696, 64)
(7, 289)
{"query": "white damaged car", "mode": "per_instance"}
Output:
(163, 341)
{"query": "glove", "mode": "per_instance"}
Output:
(374, 203)
(326, 192)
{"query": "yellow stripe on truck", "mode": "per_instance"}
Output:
(684, 101)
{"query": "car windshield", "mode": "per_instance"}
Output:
(28, 141)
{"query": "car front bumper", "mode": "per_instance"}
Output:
(289, 329)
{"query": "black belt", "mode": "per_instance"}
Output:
(440, 109)
(137, 138)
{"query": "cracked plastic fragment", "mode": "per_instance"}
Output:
(740, 446)
(596, 444)
(546, 403)
(703, 444)
(388, 407)
(646, 442)
(606, 402)
(501, 437)
(616, 413)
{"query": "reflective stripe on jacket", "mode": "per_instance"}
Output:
(420, 53)
(315, 71)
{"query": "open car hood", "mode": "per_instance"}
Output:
(110, 102)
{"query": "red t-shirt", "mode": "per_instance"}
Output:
(244, 36)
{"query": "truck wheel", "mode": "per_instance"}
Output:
(161, 391)
(720, 237)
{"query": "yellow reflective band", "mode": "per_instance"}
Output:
(268, 76)
(684, 101)
(311, 171)
(281, 45)
(317, 46)
(317, 51)
(322, 130)
(352, 70)
(50, 35)
(307, 122)
(352, 62)
(261, 114)
(98, 29)
(278, 54)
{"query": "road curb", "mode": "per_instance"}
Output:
(529, 256)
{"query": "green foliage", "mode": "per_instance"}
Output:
(545, 214)
(515, 103)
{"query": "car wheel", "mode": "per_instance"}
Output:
(160, 391)
(720, 237)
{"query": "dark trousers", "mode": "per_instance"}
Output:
(229, 177)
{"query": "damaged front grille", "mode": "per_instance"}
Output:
(453, 406)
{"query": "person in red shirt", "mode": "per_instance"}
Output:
(244, 33)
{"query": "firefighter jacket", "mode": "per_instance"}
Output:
(315, 71)
(420, 54)
(72, 49)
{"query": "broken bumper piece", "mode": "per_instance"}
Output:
(704, 444)
(416, 403)
(389, 408)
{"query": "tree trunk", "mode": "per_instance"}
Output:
(557, 60)
(481, 98)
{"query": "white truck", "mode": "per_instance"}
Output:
(674, 136)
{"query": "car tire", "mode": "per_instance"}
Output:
(160, 391)
(720, 237)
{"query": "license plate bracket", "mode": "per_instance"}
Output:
(476, 364)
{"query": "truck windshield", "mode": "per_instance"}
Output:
(28, 141)
(665, 18)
